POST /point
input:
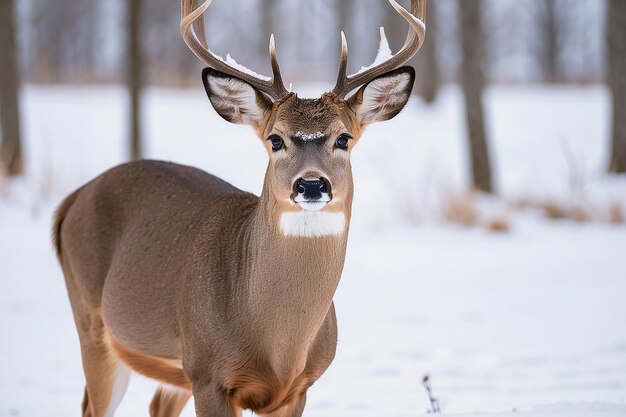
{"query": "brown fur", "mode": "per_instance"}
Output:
(264, 393)
(59, 216)
(167, 371)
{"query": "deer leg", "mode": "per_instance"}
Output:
(212, 402)
(103, 400)
(168, 402)
(107, 379)
(299, 407)
(294, 410)
(106, 376)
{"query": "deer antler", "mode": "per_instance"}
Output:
(192, 29)
(384, 61)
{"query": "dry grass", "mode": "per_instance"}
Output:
(616, 213)
(468, 210)
(561, 211)
(577, 207)
(522, 203)
(498, 224)
(552, 210)
(4, 189)
(582, 211)
(461, 210)
(580, 214)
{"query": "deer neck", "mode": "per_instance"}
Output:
(291, 279)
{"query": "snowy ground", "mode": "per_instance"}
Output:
(532, 320)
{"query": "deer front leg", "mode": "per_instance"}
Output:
(299, 408)
(212, 402)
(168, 402)
(294, 410)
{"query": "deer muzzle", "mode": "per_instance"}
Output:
(311, 193)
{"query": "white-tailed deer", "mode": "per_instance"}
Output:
(181, 277)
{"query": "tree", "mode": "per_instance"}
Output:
(549, 40)
(472, 80)
(616, 60)
(427, 63)
(64, 40)
(11, 147)
(135, 75)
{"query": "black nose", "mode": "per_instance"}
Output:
(312, 189)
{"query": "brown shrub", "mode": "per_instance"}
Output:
(498, 224)
(553, 210)
(461, 210)
(579, 215)
(616, 213)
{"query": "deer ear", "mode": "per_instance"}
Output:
(383, 97)
(234, 99)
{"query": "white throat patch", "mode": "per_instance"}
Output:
(312, 223)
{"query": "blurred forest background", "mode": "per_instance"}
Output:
(509, 297)
(471, 42)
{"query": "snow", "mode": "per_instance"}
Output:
(531, 320)
(384, 53)
(309, 136)
(231, 61)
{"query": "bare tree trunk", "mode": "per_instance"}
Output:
(472, 80)
(135, 74)
(616, 54)
(427, 64)
(11, 146)
(549, 41)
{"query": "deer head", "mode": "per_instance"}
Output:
(308, 141)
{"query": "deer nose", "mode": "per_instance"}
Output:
(312, 189)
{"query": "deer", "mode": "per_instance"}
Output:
(179, 276)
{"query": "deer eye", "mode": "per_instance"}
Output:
(342, 141)
(277, 142)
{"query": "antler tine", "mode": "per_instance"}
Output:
(343, 65)
(414, 40)
(277, 77)
(192, 30)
